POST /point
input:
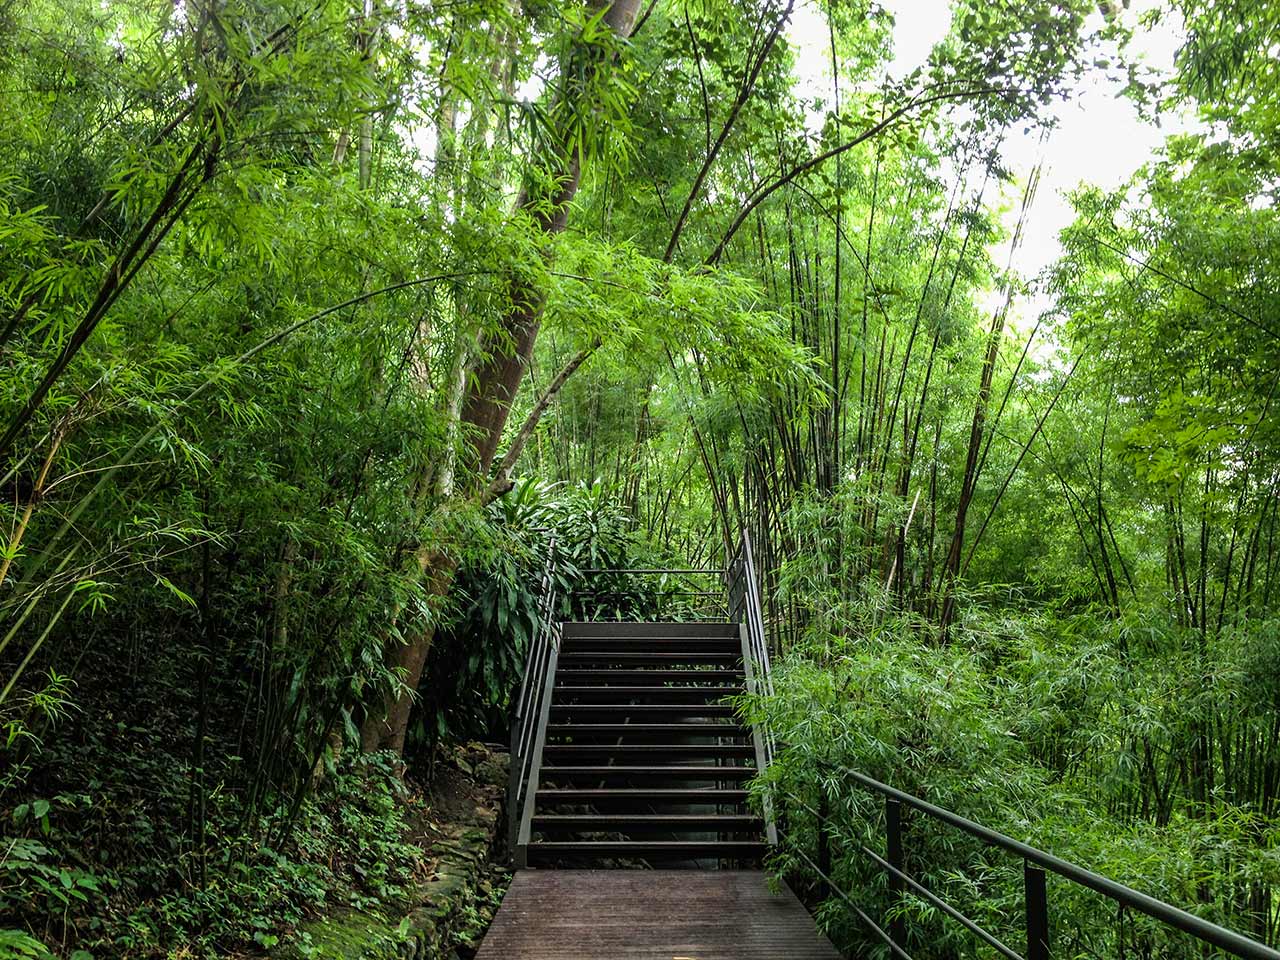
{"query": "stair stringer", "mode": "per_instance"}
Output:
(521, 853)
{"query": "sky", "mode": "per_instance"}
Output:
(1099, 138)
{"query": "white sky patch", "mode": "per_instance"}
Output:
(1099, 139)
(919, 25)
(809, 37)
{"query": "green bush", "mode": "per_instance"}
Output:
(1037, 727)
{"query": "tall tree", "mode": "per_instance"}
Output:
(589, 64)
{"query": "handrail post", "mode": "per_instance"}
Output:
(515, 770)
(1037, 898)
(755, 662)
(893, 853)
(521, 852)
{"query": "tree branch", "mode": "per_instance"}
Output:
(501, 481)
(1148, 265)
(744, 94)
(761, 194)
(973, 546)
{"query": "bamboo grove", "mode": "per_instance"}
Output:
(319, 318)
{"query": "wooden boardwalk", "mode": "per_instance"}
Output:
(654, 914)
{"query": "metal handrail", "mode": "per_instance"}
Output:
(1035, 864)
(742, 587)
(531, 702)
(745, 608)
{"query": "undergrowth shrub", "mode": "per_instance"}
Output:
(101, 879)
(478, 657)
(1069, 734)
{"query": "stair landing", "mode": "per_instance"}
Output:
(651, 914)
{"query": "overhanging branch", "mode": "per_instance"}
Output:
(501, 481)
(761, 194)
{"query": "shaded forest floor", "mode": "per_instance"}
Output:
(119, 844)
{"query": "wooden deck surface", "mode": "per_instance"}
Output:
(654, 914)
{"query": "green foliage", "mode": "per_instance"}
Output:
(349, 845)
(256, 257)
(1076, 739)
(17, 944)
(589, 114)
(498, 598)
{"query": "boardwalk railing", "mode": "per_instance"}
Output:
(1035, 865)
(696, 598)
(529, 719)
(743, 587)
(744, 607)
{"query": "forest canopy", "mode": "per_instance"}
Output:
(321, 319)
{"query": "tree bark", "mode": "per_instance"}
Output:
(969, 482)
(386, 730)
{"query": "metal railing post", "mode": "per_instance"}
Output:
(740, 575)
(515, 770)
(893, 853)
(1037, 912)
(521, 853)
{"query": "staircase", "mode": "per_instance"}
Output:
(643, 760)
(626, 750)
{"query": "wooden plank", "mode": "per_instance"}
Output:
(651, 914)
(617, 676)
(611, 628)
(578, 656)
(648, 752)
(612, 694)
(649, 645)
(663, 711)
(633, 797)
(677, 731)
(637, 822)
(590, 852)
(704, 773)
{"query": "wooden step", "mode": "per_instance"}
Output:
(656, 732)
(709, 773)
(650, 644)
(639, 798)
(662, 711)
(621, 677)
(544, 850)
(712, 629)
(615, 694)
(576, 658)
(658, 752)
(648, 822)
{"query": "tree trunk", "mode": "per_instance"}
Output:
(969, 481)
(386, 730)
(368, 42)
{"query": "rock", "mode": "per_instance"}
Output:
(493, 770)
